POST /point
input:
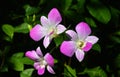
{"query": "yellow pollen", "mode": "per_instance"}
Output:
(80, 44)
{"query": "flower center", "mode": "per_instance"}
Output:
(53, 33)
(80, 44)
(43, 62)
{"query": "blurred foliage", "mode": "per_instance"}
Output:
(19, 16)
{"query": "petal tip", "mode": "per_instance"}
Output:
(36, 32)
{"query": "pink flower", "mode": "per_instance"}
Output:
(41, 61)
(50, 28)
(80, 42)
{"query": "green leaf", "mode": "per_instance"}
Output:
(69, 72)
(66, 4)
(117, 61)
(55, 61)
(80, 5)
(97, 47)
(91, 22)
(23, 28)
(8, 29)
(31, 10)
(27, 61)
(99, 11)
(95, 72)
(115, 39)
(115, 15)
(58, 40)
(16, 61)
(27, 72)
(4, 68)
(117, 33)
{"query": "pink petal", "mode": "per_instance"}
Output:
(46, 41)
(36, 65)
(39, 52)
(60, 28)
(36, 33)
(68, 48)
(32, 55)
(50, 70)
(87, 47)
(83, 30)
(54, 16)
(79, 55)
(49, 59)
(44, 21)
(72, 34)
(92, 39)
(41, 70)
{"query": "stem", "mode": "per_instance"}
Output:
(3, 60)
(69, 61)
(52, 49)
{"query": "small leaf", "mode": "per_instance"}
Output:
(99, 11)
(95, 72)
(69, 71)
(97, 47)
(16, 61)
(55, 61)
(23, 28)
(27, 72)
(91, 22)
(8, 29)
(27, 61)
(31, 10)
(58, 40)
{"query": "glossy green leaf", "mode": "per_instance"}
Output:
(91, 22)
(27, 72)
(16, 61)
(100, 12)
(97, 47)
(8, 29)
(95, 72)
(23, 28)
(69, 72)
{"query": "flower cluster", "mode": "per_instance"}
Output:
(79, 43)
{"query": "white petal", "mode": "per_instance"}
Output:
(92, 39)
(50, 69)
(45, 22)
(60, 28)
(39, 52)
(46, 41)
(79, 55)
(72, 34)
